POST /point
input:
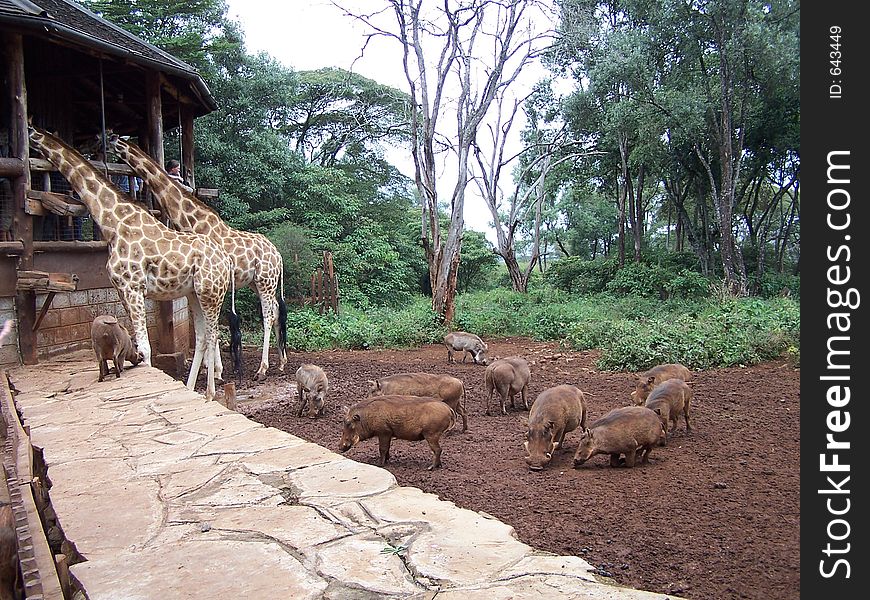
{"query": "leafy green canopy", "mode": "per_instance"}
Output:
(298, 156)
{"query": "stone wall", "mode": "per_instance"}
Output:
(67, 325)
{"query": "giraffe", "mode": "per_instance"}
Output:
(146, 258)
(257, 263)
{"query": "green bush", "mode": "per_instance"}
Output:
(640, 279)
(631, 332)
(581, 276)
(688, 284)
(772, 284)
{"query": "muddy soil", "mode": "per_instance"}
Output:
(714, 515)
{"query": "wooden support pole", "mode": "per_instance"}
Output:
(187, 157)
(230, 396)
(22, 223)
(166, 319)
(11, 167)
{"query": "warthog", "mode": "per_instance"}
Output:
(669, 400)
(311, 385)
(555, 412)
(630, 430)
(410, 418)
(508, 376)
(449, 389)
(111, 341)
(647, 381)
(467, 342)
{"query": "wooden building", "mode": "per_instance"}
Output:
(78, 75)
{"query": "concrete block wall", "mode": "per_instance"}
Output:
(67, 325)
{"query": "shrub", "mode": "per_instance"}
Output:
(581, 276)
(772, 284)
(640, 279)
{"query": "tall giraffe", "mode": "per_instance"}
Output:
(256, 261)
(146, 258)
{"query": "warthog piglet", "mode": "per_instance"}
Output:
(111, 341)
(647, 381)
(311, 385)
(468, 343)
(447, 388)
(669, 400)
(630, 430)
(507, 376)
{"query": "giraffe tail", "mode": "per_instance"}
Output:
(282, 316)
(235, 323)
(282, 325)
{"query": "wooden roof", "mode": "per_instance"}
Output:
(72, 25)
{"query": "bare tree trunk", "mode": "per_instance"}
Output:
(620, 204)
(452, 31)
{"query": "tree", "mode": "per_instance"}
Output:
(456, 33)
(337, 114)
(704, 78)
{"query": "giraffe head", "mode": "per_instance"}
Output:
(116, 143)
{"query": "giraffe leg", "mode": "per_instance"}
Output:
(199, 328)
(218, 364)
(134, 304)
(269, 307)
(211, 350)
(211, 316)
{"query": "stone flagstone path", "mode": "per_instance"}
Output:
(167, 496)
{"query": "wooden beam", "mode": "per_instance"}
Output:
(59, 204)
(44, 310)
(34, 207)
(12, 248)
(42, 281)
(40, 164)
(72, 246)
(208, 193)
(11, 167)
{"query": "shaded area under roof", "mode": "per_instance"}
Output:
(77, 25)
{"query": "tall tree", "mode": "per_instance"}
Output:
(470, 49)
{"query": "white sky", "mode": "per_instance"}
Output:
(310, 34)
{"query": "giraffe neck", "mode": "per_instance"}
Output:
(182, 207)
(94, 190)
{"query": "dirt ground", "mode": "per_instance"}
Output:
(714, 515)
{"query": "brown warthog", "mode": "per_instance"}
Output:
(446, 387)
(111, 341)
(467, 342)
(647, 381)
(555, 412)
(311, 385)
(508, 376)
(630, 430)
(412, 418)
(669, 400)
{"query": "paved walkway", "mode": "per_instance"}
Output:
(167, 496)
